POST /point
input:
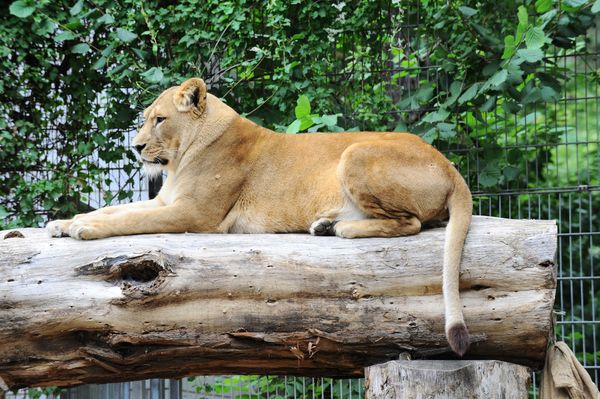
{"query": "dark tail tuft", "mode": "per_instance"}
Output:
(458, 338)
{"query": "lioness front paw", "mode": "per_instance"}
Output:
(345, 230)
(58, 228)
(82, 229)
(322, 227)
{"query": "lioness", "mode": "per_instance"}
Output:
(226, 174)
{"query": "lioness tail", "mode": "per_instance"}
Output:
(460, 206)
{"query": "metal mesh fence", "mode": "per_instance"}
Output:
(559, 166)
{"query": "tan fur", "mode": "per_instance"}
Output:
(227, 174)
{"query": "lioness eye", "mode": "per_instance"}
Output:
(159, 119)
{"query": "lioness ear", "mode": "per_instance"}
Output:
(191, 96)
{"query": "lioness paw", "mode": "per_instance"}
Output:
(345, 230)
(84, 230)
(322, 227)
(58, 228)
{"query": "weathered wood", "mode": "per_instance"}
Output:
(447, 379)
(173, 305)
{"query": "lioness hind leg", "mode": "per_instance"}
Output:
(397, 186)
(325, 224)
(402, 226)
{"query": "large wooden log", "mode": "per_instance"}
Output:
(173, 305)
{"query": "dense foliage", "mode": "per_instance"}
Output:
(78, 73)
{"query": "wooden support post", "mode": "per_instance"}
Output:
(447, 379)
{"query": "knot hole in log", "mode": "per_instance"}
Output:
(139, 276)
(141, 270)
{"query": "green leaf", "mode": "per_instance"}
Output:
(329, 120)
(447, 130)
(303, 107)
(491, 69)
(21, 9)
(455, 89)
(108, 50)
(490, 175)
(528, 119)
(547, 17)
(551, 80)
(541, 6)
(409, 102)
(106, 19)
(523, 16)
(401, 127)
(140, 53)
(498, 78)
(596, 7)
(315, 128)
(76, 9)
(424, 93)
(80, 48)
(65, 35)
(486, 34)
(294, 127)
(153, 75)
(99, 64)
(73, 24)
(510, 172)
(575, 3)
(530, 54)
(515, 73)
(523, 23)
(521, 29)
(489, 104)
(509, 47)
(511, 106)
(306, 122)
(436, 116)
(44, 27)
(125, 36)
(469, 93)
(535, 38)
(468, 11)
(429, 135)
(3, 212)
(549, 94)
(532, 95)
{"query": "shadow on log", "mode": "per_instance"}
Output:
(173, 305)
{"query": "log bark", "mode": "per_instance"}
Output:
(447, 379)
(173, 305)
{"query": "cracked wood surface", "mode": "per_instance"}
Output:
(174, 305)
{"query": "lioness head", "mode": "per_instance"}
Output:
(173, 114)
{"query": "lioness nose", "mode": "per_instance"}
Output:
(139, 147)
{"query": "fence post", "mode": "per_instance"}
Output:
(174, 389)
(446, 379)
